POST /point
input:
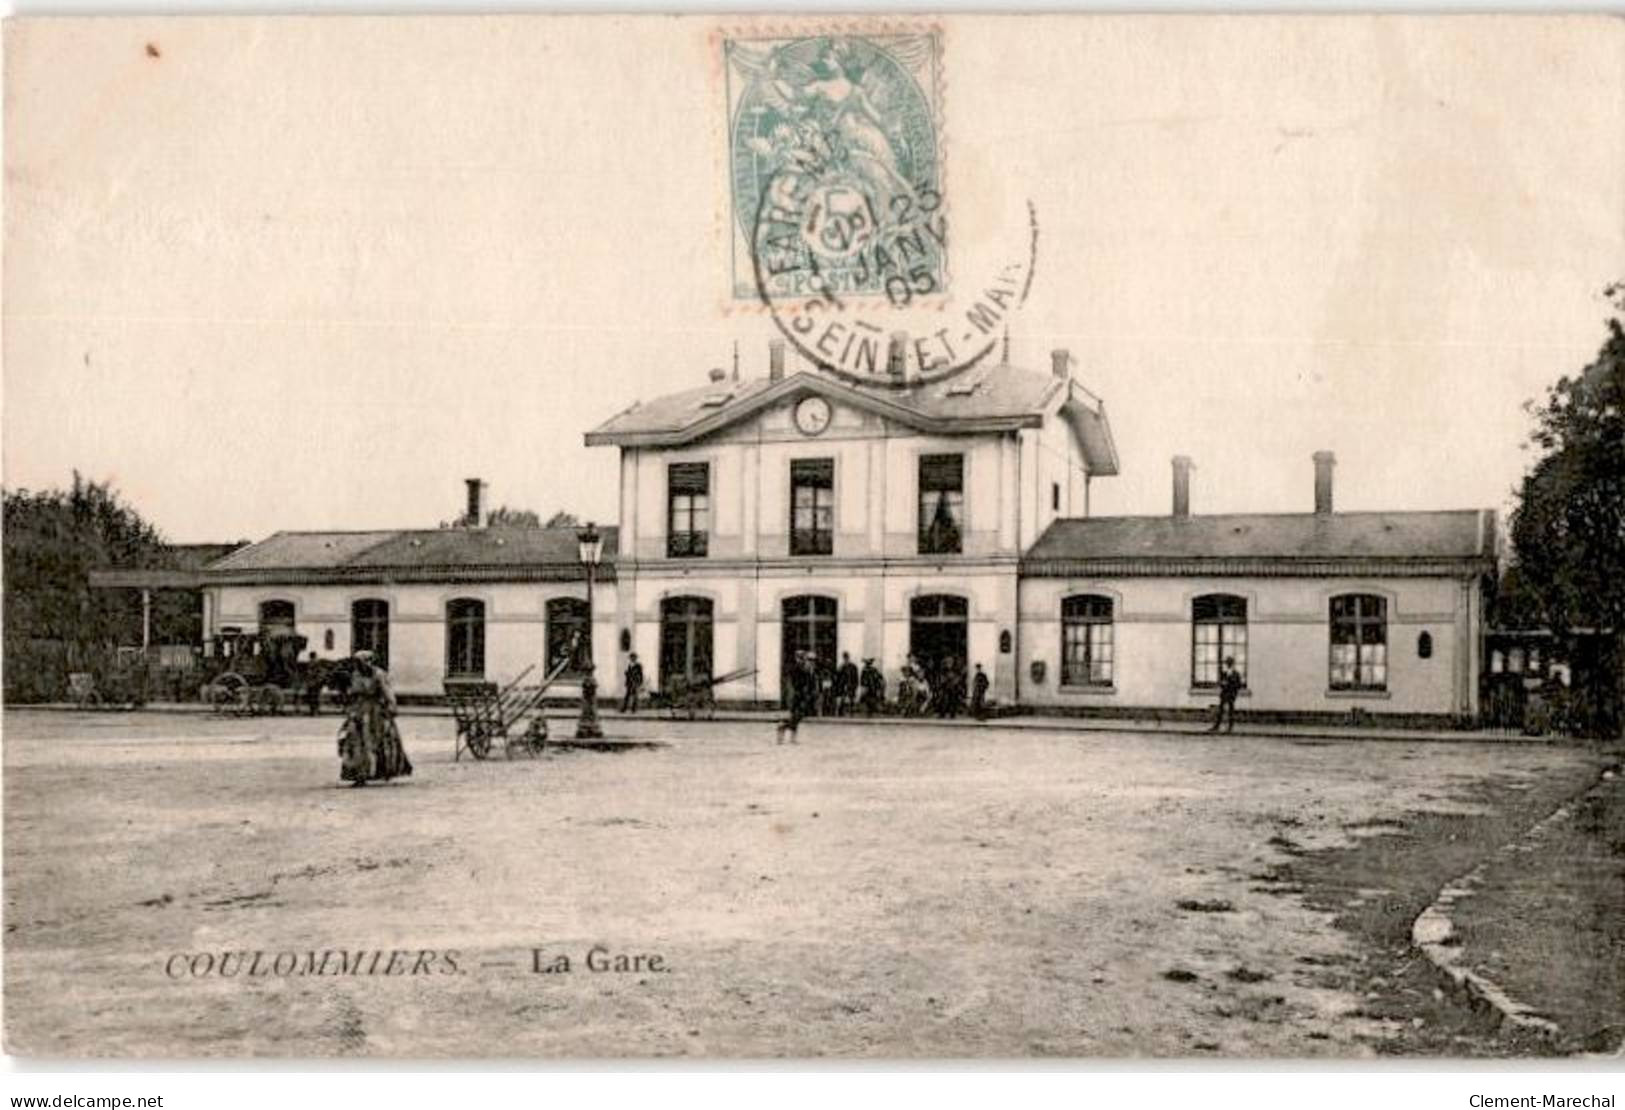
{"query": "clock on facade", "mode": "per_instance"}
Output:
(812, 415)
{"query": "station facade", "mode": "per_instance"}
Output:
(946, 520)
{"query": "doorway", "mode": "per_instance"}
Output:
(938, 634)
(808, 623)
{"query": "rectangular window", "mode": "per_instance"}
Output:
(465, 638)
(1055, 496)
(1359, 642)
(942, 504)
(688, 516)
(812, 506)
(1218, 632)
(1086, 641)
(566, 636)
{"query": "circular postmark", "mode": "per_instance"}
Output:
(838, 188)
(913, 332)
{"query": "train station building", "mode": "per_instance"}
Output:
(947, 520)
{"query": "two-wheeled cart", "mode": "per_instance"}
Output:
(696, 698)
(486, 713)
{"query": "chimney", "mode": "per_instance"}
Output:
(775, 360)
(1061, 361)
(897, 355)
(475, 486)
(718, 374)
(1324, 461)
(1182, 486)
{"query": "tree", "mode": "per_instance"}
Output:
(563, 519)
(53, 619)
(504, 517)
(1568, 529)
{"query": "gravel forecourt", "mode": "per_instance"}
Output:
(875, 891)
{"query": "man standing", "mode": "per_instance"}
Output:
(978, 694)
(803, 696)
(874, 688)
(634, 685)
(1229, 690)
(846, 686)
(315, 677)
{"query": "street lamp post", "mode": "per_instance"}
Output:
(590, 548)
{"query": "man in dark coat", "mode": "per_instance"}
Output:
(1229, 690)
(874, 687)
(803, 698)
(978, 694)
(846, 686)
(634, 685)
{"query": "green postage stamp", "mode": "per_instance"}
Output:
(835, 158)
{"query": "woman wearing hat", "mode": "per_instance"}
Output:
(369, 743)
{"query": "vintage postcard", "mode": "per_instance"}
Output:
(862, 536)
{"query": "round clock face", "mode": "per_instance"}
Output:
(812, 415)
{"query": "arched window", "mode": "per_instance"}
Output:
(1359, 642)
(1086, 640)
(1424, 645)
(685, 640)
(465, 638)
(1218, 632)
(567, 634)
(276, 616)
(808, 624)
(369, 628)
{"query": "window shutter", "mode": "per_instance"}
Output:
(813, 472)
(689, 477)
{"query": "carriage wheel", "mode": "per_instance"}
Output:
(226, 691)
(479, 743)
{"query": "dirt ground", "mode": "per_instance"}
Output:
(885, 891)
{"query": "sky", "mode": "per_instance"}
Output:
(292, 273)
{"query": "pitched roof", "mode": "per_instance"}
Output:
(983, 398)
(1235, 542)
(189, 556)
(487, 553)
(300, 549)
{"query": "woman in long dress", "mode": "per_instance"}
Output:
(369, 742)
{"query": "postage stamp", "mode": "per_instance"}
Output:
(838, 212)
(845, 131)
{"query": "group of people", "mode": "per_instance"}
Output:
(370, 748)
(815, 687)
(941, 690)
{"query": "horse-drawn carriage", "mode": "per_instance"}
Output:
(255, 672)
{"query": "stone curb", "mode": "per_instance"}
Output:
(1433, 932)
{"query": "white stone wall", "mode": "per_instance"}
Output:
(1288, 643)
(872, 613)
(515, 624)
(876, 486)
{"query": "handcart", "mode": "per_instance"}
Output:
(695, 698)
(485, 713)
